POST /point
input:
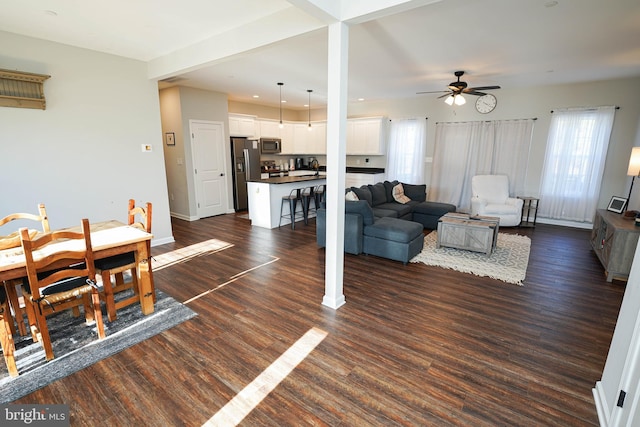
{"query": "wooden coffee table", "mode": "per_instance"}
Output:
(472, 233)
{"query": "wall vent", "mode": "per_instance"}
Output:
(19, 89)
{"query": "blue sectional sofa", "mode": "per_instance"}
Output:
(379, 225)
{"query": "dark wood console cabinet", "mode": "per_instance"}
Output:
(614, 240)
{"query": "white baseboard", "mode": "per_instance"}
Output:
(163, 241)
(183, 217)
(585, 225)
(601, 404)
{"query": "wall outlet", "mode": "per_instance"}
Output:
(366, 160)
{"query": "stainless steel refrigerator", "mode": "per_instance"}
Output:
(246, 167)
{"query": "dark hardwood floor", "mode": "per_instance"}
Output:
(414, 345)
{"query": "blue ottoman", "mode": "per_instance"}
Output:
(393, 238)
(428, 213)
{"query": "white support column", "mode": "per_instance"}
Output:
(336, 162)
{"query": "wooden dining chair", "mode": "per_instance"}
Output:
(60, 275)
(7, 329)
(117, 265)
(13, 241)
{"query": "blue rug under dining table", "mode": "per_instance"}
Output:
(76, 346)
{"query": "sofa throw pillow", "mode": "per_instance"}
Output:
(388, 188)
(363, 193)
(360, 207)
(378, 194)
(415, 192)
(398, 194)
(351, 196)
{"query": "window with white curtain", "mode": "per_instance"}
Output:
(406, 148)
(574, 162)
(465, 149)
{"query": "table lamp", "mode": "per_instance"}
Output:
(633, 170)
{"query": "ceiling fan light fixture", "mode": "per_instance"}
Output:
(449, 100)
(280, 105)
(459, 100)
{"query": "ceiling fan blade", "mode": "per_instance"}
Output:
(484, 88)
(433, 91)
(473, 92)
(445, 95)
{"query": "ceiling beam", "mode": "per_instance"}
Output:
(289, 22)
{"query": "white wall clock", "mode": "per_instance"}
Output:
(486, 103)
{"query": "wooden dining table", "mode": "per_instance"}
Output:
(108, 238)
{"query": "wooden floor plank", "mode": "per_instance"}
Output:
(413, 345)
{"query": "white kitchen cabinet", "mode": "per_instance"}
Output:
(242, 125)
(360, 179)
(269, 128)
(294, 138)
(302, 141)
(317, 139)
(366, 136)
(301, 135)
(287, 138)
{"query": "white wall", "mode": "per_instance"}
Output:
(178, 106)
(82, 156)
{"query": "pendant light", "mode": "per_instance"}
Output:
(309, 90)
(281, 125)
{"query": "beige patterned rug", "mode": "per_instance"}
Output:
(507, 263)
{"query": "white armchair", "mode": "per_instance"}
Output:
(490, 197)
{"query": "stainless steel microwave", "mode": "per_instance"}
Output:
(270, 145)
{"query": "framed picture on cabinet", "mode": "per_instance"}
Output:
(170, 138)
(617, 204)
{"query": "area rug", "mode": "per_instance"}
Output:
(507, 263)
(75, 345)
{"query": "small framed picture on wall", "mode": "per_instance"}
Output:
(170, 138)
(617, 204)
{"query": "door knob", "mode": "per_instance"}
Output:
(221, 174)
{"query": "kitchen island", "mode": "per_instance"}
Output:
(265, 198)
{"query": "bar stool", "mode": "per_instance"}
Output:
(292, 201)
(318, 195)
(307, 196)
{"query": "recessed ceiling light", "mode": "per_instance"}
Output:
(256, 96)
(50, 13)
(360, 99)
(284, 101)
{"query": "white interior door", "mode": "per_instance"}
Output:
(616, 394)
(207, 148)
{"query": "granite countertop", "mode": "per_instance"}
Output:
(289, 179)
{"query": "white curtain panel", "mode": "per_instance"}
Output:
(574, 162)
(405, 153)
(513, 144)
(466, 149)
